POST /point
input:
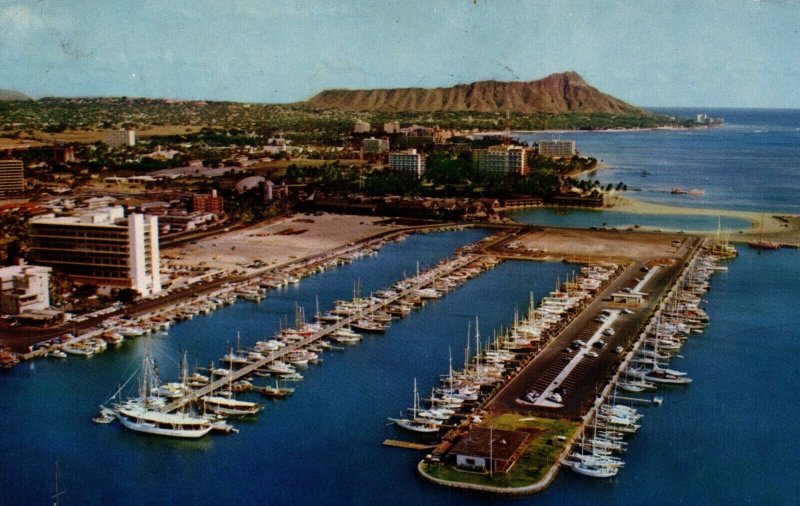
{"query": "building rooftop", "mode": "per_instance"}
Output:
(504, 443)
(103, 217)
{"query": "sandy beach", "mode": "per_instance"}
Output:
(783, 228)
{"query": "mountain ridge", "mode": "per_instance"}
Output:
(555, 94)
(12, 95)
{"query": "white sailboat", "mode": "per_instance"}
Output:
(415, 423)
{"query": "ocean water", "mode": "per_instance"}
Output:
(751, 163)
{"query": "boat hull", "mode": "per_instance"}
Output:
(149, 428)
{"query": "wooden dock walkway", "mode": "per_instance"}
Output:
(407, 445)
(429, 279)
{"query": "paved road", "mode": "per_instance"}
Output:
(592, 373)
(505, 399)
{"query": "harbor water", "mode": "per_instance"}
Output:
(727, 439)
(321, 446)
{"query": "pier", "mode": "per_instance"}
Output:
(407, 445)
(428, 280)
(569, 364)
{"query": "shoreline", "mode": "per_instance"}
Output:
(597, 130)
(784, 230)
(771, 227)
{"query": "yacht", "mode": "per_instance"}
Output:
(226, 406)
(593, 470)
(145, 413)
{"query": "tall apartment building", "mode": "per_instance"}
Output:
(501, 160)
(373, 146)
(117, 138)
(208, 203)
(557, 148)
(407, 162)
(100, 247)
(24, 288)
(12, 177)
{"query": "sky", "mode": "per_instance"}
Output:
(726, 53)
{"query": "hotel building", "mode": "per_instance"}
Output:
(117, 138)
(101, 247)
(557, 149)
(12, 177)
(407, 162)
(501, 160)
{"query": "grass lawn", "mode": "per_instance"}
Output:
(536, 460)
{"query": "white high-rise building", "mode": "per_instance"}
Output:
(407, 162)
(557, 148)
(501, 159)
(101, 247)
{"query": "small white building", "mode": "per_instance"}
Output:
(24, 288)
(628, 298)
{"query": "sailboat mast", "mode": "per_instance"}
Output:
(416, 398)
(59, 492)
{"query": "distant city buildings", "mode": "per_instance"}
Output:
(64, 154)
(557, 148)
(208, 203)
(24, 288)
(373, 146)
(407, 162)
(276, 144)
(273, 191)
(249, 183)
(100, 247)
(705, 119)
(118, 138)
(93, 203)
(501, 160)
(361, 127)
(392, 127)
(12, 177)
